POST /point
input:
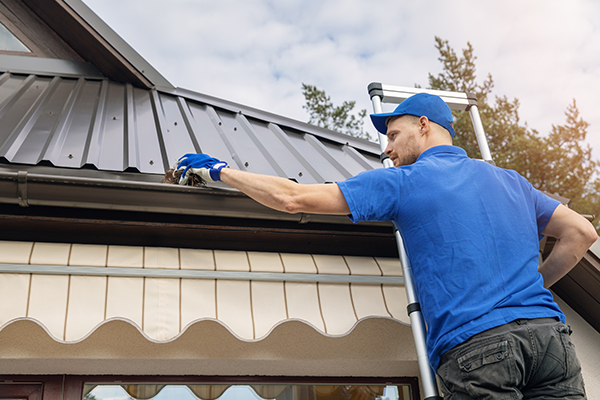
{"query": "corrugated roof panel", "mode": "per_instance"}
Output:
(14, 89)
(170, 127)
(77, 122)
(243, 150)
(112, 120)
(275, 148)
(349, 164)
(268, 145)
(18, 113)
(143, 133)
(44, 115)
(206, 133)
(306, 169)
(9, 84)
(70, 141)
(364, 161)
(91, 153)
(353, 162)
(321, 164)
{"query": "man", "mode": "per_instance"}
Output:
(471, 231)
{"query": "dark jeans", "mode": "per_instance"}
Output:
(524, 359)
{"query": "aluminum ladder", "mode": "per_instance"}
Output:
(379, 94)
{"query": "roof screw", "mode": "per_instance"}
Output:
(70, 156)
(114, 118)
(220, 123)
(246, 164)
(50, 113)
(235, 128)
(175, 123)
(151, 162)
(299, 173)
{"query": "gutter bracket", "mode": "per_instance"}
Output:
(22, 188)
(304, 219)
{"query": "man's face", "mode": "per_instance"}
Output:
(403, 135)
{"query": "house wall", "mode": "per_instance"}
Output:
(587, 344)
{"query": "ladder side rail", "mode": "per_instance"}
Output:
(480, 134)
(417, 321)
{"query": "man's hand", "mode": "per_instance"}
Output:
(208, 168)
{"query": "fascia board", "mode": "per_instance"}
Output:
(120, 45)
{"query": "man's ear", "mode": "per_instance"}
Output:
(423, 125)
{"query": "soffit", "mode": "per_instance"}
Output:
(250, 311)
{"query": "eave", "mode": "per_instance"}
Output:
(96, 42)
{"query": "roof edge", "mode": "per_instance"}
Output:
(337, 137)
(31, 189)
(117, 43)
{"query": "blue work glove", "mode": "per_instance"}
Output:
(208, 168)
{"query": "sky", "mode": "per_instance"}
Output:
(545, 53)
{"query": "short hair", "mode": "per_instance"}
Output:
(413, 118)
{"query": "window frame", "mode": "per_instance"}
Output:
(70, 387)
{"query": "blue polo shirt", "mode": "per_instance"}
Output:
(471, 232)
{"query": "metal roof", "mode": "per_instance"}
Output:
(94, 123)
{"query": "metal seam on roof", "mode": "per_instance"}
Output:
(88, 123)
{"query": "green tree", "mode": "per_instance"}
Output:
(559, 163)
(324, 114)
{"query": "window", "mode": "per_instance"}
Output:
(345, 391)
(9, 42)
(114, 387)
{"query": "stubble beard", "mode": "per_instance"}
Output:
(410, 152)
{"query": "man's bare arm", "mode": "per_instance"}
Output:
(574, 236)
(285, 195)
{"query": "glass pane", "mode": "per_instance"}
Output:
(246, 392)
(9, 42)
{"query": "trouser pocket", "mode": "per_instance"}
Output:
(481, 369)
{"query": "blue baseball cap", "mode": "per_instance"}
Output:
(419, 105)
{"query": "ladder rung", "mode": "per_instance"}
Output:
(397, 94)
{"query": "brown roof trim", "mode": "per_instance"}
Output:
(69, 19)
(27, 189)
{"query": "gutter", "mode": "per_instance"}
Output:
(34, 189)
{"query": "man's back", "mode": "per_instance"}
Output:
(471, 232)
